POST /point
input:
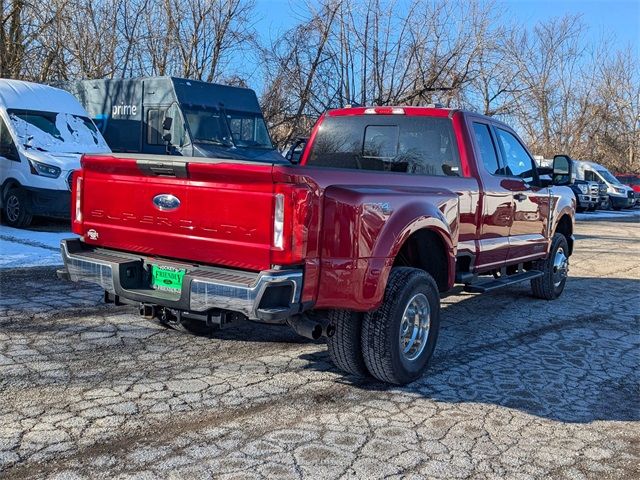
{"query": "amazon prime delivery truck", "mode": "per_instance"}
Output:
(176, 116)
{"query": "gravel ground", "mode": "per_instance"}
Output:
(519, 388)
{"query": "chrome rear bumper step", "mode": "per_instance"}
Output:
(270, 295)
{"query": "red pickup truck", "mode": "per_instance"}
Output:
(388, 208)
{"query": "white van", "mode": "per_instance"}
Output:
(620, 195)
(43, 133)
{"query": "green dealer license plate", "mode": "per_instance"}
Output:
(167, 278)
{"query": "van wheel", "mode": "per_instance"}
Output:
(345, 345)
(554, 268)
(398, 339)
(16, 211)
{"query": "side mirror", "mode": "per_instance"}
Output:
(295, 151)
(166, 123)
(562, 170)
(168, 147)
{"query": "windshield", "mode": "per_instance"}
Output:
(227, 128)
(629, 180)
(56, 132)
(608, 177)
(207, 126)
(248, 130)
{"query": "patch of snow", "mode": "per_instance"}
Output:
(609, 214)
(27, 248)
(17, 255)
(74, 134)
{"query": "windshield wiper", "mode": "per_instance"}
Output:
(27, 146)
(218, 143)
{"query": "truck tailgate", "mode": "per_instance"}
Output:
(210, 211)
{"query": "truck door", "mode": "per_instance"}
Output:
(528, 234)
(497, 201)
(154, 142)
(153, 132)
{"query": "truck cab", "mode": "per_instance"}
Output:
(43, 133)
(176, 116)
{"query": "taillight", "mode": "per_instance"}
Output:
(278, 222)
(291, 216)
(76, 212)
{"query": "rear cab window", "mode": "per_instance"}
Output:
(486, 148)
(387, 143)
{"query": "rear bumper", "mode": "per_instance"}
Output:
(270, 295)
(622, 202)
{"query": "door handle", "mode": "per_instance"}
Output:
(520, 197)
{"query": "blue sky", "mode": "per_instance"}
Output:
(618, 17)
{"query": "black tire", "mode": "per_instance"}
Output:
(381, 328)
(546, 286)
(16, 208)
(617, 209)
(345, 345)
(580, 209)
(592, 208)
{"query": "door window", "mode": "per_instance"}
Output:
(517, 162)
(487, 149)
(154, 127)
(7, 146)
(178, 132)
(590, 176)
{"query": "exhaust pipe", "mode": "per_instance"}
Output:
(306, 327)
(311, 327)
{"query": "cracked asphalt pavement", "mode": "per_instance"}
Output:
(518, 388)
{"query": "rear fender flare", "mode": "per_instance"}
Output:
(402, 224)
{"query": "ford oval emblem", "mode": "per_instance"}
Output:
(166, 202)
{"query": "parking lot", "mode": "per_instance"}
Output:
(519, 387)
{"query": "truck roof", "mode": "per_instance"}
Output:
(34, 96)
(165, 90)
(585, 163)
(390, 110)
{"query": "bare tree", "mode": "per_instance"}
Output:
(12, 38)
(563, 92)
